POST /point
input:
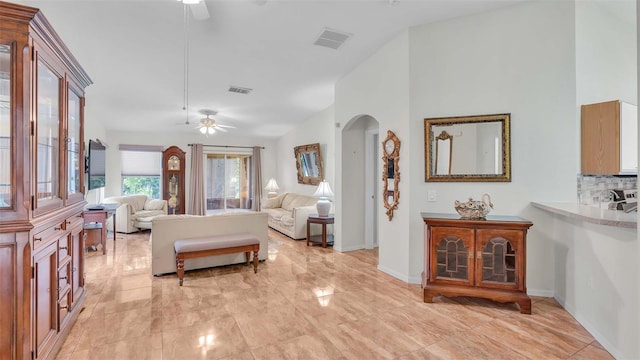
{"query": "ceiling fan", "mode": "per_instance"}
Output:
(208, 125)
(198, 8)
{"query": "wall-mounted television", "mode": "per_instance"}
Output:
(96, 164)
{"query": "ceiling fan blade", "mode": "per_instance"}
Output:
(218, 128)
(199, 10)
(226, 126)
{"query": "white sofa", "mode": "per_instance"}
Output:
(288, 213)
(165, 230)
(135, 212)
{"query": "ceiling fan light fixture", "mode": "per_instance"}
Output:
(190, 2)
(211, 130)
(203, 130)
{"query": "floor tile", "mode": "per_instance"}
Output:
(304, 303)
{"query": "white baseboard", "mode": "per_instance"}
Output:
(349, 248)
(615, 352)
(539, 292)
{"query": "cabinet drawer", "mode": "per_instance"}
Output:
(64, 308)
(64, 284)
(74, 221)
(64, 247)
(46, 236)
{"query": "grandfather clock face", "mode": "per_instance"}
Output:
(173, 164)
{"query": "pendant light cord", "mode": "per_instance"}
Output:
(185, 105)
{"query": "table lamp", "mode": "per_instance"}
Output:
(323, 192)
(272, 188)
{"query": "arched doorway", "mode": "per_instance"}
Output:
(360, 182)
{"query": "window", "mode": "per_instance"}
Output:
(228, 184)
(141, 170)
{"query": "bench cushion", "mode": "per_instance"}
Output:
(215, 242)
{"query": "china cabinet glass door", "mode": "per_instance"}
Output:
(47, 135)
(73, 141)
(6, 190)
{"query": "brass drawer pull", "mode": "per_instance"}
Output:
(66, 307)
(37, 239)
(64, 248)
(62, 278)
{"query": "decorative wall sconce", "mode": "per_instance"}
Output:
(390, 173)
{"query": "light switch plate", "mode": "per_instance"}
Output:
(432, 195)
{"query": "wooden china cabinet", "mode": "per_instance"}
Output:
(173, 163)
(480, 258)
(41, 185)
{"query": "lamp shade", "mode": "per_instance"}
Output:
(323, 205)
(272, 187)
(323, 190)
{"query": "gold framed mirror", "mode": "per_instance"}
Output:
(309, 164)
(390, 172)
(468, 148)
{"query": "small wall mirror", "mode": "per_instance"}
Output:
(309, 164)
(468, 148)
(391, 172)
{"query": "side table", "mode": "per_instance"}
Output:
(323, 239)
(100, 216)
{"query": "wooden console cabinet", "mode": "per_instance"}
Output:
(41, 186)
(478, 258)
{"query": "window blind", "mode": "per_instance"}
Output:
(141, 163)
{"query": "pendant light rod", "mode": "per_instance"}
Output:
(185, 104)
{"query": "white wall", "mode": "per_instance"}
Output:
(113, 181)
(379, 87)
(596, 272)
(606, 58)
(317, 129)
(474, 66)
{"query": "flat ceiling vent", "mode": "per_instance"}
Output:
(239, 90)
(332, 39)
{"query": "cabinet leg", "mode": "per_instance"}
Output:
(525, 306)
(428, 296)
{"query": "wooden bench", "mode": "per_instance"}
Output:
(216, 245)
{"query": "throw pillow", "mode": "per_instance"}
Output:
(154, 204)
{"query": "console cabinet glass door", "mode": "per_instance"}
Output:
(453, 254)
(74, 151)
(497, 252)
(47, 138)
(6, 188)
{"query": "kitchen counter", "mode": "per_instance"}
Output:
(591, 214)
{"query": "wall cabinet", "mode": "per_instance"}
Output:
(609, 132)
(41, 185)
(479, 258)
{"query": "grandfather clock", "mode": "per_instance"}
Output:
(173, 162)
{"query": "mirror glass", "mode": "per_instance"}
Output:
(309, 164)
(469, 148)
(390, 173)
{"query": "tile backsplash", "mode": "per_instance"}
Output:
(594, 189)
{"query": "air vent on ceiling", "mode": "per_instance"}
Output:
(332, 38)
(239, 90)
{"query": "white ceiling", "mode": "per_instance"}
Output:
(134, 52)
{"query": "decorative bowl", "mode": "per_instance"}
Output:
(474, 209)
